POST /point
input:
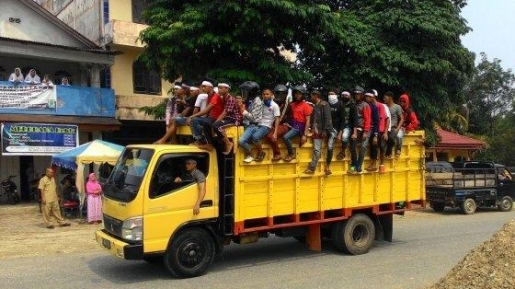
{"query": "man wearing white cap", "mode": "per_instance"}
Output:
(231, 116)
(201, 126)
(177, 110)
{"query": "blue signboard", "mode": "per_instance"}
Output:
(36, 139)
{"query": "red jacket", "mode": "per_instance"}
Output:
(410, 118)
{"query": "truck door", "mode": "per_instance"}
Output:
(172, 194)
(506, 182)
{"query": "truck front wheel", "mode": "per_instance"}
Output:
(469, 206)
(505, 204)
(354, 236)
(190, 254)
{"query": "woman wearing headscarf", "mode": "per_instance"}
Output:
(93, 189)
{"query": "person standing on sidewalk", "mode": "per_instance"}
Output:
(50, 201)
(94, 191)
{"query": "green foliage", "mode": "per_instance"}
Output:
(396, 45)
(157, 111)
(490, 94)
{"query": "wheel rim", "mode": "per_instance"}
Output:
(506, 203)
(360, 235)
(470, 205)
(191, 253)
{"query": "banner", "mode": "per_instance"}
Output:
(27, 96)
(36, 139)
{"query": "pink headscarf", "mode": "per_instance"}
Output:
(92, 185)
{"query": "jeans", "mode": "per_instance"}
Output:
(362, 137)
(287, 139)
(400, 136)
(317, 146)
(253, 134)
(345, 137)
(392, 140)
(221, 125)
(330, 146)
(201, 127)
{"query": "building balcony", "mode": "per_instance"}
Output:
(93, 108)
(123, 33)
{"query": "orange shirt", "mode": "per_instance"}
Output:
(300, 111)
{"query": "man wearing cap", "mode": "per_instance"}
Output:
(177, 109)
(193, 174)
(201, 126)
(231, 116)
(347, 123)
(361, 130)
(321, 127)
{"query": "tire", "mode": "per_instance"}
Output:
(468, 206)
(354, 236)
(438, 207)
(506, 204)
(190, 254)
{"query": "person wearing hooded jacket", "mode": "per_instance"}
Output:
(411, 122)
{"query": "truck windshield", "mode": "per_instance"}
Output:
(124, 182)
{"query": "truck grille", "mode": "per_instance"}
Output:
(113, 225)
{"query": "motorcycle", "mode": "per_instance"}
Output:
(10, 190)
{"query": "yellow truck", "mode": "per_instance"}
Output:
(148, 215)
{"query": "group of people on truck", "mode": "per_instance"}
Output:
(354, 118)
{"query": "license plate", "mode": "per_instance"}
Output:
(106, 243)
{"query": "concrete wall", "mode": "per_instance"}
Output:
(85, 16)
(120, 10)
(32, 26)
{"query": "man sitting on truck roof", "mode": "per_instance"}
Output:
(254, 133)
(231, 116)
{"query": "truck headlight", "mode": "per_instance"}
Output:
(132, 229)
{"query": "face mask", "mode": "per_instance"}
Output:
(267, 102)
(332, 99)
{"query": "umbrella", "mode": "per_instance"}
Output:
(97, 151)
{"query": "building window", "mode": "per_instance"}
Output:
(145, 81)
(137, 9)
(105, 78)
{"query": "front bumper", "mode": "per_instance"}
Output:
(118, 247)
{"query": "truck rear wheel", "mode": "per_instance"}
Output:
(469, 206)
(190, 254)
(506, 204)
(354, 236)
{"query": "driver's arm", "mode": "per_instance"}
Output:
(200, 198)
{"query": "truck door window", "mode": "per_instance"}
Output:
(173, 166)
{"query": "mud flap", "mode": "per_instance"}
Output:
(384, 227)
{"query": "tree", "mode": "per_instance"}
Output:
(396, 45)
(490, 94)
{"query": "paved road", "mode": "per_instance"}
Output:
(426, 245)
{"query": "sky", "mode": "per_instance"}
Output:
(493, 24)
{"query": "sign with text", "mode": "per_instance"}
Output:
(37, 139)
(27, 96)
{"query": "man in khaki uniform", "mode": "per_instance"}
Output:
(50, 201)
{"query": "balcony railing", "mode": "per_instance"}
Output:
(57, 100)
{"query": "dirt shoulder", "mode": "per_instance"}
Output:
(24, 234)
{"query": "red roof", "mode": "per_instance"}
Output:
(451, 140)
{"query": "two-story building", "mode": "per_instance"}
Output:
(117, 24)
(32, 38)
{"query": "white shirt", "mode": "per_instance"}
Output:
(32, 79)
(269, 114)
(14, 78)
(388, 116)
(201, 101)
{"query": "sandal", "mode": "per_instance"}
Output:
(398, 153)
(260, 156)
(288, 158)
(309, 171)
(276, 158)
(328, 172)
(340, 156)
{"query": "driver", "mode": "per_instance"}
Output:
(193, 174)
